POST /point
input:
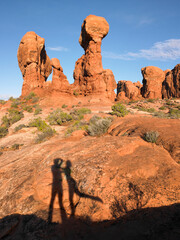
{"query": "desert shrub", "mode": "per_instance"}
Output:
(3, 131)
(75, 93)
(19, 127)
(28, 109)
(162, 108)
(151, 136)
(13, 116)
(99, 126)
(77, 125)
(78, 114)
(64, 106)
(58, 117)
(48, 133)
(39, 123)
(151, 110)
(15, 146)
(37, 110)
(119, 110)
(30, 96)
(160, 115)
(151, 100)
(35, 99)
(2, 102)
(174, 113)
(11, 99)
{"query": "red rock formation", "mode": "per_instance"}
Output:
(153, 78)
(131, 90)
(59, 80)
(89, 75)
(171, 84)
(33, 62)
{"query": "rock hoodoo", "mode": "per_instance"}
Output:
(89, 75)
(33, 61)
(128, 89)
(59, 80)
(171, 84)
(153, 78)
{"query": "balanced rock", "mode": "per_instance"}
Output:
(171, 84)
(89, 75)
(153, 78)
(131, 90)
(33, 62)
(59, 80)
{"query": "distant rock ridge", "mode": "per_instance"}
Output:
(157, 84)
(90, 79)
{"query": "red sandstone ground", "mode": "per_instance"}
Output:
(130, 183)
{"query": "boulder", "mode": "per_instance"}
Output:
(89, 75)
(33, 62)
(131, 90)
(153, 78)
(171, 84)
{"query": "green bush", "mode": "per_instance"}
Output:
(19, 127)
(30, 96)
(174, 113)
(119, 110)
(151, 136)
(75, 93)
(58, 117)
(77, 125)
(160, 115)
(78, 114)
(28, 109)
(64, 106)
(162, 108)
(151, 100)
(15, 146)
(13, 116)
(35, 99)
(98, 126)
(2, 102)
(48, 133)
(37, 110)
(3, 131)
(40, 124)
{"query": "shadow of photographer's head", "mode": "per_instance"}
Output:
(68, 164)
(58, 162)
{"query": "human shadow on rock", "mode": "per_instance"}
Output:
(73, 189)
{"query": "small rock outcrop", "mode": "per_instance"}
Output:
(33, 62)
(171, 84)
(89, 75)
(153, 78)
(128, 90)
(59, 80)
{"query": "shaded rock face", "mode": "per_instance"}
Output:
(171, 84)
(128, 89)
(59, 80)
(33, 62)
(89, 75)
(153, 78)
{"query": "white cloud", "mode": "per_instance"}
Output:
(58, 49)
(162, 51)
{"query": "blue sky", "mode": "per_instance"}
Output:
(142, 33)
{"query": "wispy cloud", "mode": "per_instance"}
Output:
(145, 21)
(58, 49)
(162, 51)
(4, 97)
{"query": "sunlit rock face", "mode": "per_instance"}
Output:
(33, 62)
(153, 78)
(89, 75)
(171, 84)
